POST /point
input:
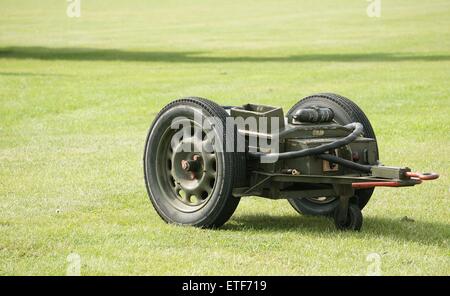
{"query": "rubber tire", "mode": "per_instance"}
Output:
(345, 111)
(354, 219)
(221, 206)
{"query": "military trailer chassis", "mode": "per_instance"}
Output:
(322, 157)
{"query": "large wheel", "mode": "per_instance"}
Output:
(189, 174)
(345, 111)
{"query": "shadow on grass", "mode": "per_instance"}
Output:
(421, 232)
(29, 74)
(92, 54)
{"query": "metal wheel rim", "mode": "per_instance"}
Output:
(322, 200)
(177, 187)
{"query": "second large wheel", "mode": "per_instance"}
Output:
(345, 111)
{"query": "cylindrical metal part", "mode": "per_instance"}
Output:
(314, 115)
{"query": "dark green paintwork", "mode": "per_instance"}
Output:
(313, 176)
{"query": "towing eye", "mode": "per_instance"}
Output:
(417, 177)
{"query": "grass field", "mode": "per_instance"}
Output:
(77, 96)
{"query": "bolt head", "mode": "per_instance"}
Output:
(185, 165)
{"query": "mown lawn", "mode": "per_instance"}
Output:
(77, 96)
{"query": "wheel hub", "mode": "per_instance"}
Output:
(193, 165)
(193, 171)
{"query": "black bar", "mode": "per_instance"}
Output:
(233, 285)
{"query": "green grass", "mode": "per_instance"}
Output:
(78, 95)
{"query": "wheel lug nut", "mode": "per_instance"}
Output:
(185, 165)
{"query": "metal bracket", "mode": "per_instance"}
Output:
(345, 192)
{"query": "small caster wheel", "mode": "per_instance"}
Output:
(354, 218)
